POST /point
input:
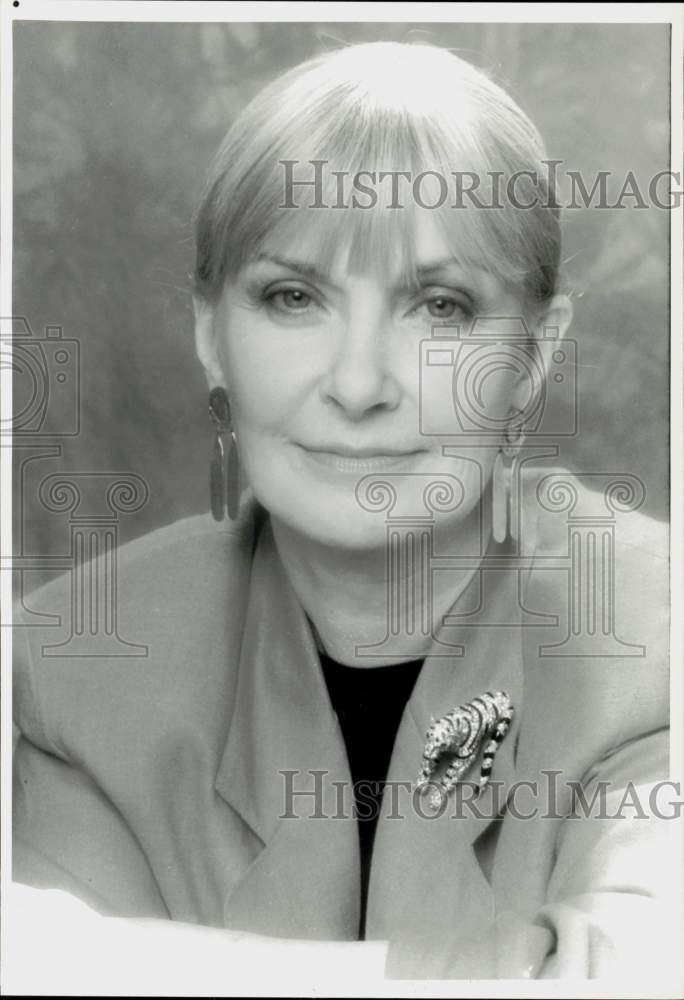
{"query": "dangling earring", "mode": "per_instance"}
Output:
(505, 486)
(224, 470)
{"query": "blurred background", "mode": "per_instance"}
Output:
(114, 127)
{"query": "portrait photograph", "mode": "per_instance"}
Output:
(341, 499)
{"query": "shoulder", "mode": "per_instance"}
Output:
(597, 579)
(594, 524)
(555, 499)
(175, 557)
(167, 606)
(188, 543)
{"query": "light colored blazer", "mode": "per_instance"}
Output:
(156, 785)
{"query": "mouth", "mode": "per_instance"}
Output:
(361, 461)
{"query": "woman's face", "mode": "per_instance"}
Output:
(323, 372)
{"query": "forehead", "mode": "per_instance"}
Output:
(384, 238)
(424, 249)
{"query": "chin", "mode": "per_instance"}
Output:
(349, 537)
(351, 511)
(326, 517)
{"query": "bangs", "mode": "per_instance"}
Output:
(336, 169)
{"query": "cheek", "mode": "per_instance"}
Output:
(482, 385)
(470, 395)
(264, 378)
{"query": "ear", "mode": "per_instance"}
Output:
(549, 328)
(205, 342)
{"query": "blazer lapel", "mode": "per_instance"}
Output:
(284, 739)
(425, 873)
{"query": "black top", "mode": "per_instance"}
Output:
(369, 702)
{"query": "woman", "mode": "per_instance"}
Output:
(389, 592)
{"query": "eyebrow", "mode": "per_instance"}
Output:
(310, 271)
(435, 266)
(302, 267)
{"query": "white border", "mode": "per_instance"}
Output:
(677, 435)
(181, 11)
(6, 146)
(128, 10)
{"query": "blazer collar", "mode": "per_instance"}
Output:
(283, 729)
(282, 770)
(425, 867)
(282, 720)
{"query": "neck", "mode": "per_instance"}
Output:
(345, 592)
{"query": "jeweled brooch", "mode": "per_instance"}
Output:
(478, 726)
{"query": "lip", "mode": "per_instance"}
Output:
(359, 461)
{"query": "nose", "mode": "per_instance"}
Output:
(359, 380)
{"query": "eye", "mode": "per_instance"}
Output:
(289, 299)
(445, 305)
(442, 307)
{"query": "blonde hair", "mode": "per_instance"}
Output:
(373, 107)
